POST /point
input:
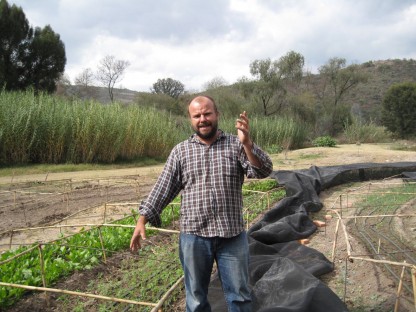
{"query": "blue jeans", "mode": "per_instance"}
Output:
(197, 255)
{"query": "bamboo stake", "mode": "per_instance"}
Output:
(11, 239)
(67, 202)
(335, 240)
(347, 241)
(18, 255)
(167, 294)
(384, 261)
(42, 271)
(399, 290)
(102, 244)
(132, 204)
(381, 216)
(345, 281)
(24, 212)
(80, 294)
(414, 285)
(92, 225)
(268, 200)
(105, 213)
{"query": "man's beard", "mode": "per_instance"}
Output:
(209, 135)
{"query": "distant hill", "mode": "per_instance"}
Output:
(100, 94)
(383, 74)
(366, 98)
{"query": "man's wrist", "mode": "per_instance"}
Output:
(249, 145)
(142, 219)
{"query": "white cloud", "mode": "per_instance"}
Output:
(196, 40)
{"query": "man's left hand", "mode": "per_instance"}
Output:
(243, 131)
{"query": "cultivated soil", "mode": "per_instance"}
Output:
(368, 287)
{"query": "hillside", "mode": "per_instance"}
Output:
(100, 94)
(366, 99)
(383, 74)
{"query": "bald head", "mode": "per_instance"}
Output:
(203, 100)
(203, 114)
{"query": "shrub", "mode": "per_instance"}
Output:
(365, 133)
(324, 141)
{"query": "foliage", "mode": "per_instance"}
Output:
(215, 83)
(83, 251)
(168, 86)
(262, 185)
(229, 101)
(338, 78)
(278, 133)
(368, 97)
(404, 146)
(28, 57)
(324, 141)
(48, 129)
(62, 257)
(360, 132)
(331, 119)
(399, 109)
(110, 71)
(272, 79)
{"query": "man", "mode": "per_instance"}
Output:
(209, 170)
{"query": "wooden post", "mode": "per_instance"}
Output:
(102, 244)
(268, 200)
(335, 240)
(346, 279)
(399, 290)
(11, 239)
(42, 271)
(105, 213)
(24, 213)
(414, 284)
(379, 245)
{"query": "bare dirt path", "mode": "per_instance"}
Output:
(297, 159)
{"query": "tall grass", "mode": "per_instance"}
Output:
(365, 133)
(49, 129)
(273, 133)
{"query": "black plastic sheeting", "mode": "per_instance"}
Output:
(284, 275)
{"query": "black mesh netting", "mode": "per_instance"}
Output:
(284, 275)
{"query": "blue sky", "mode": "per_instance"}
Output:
(194, 41)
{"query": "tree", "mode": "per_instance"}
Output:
(399, 109)
(110, 71)
(85, 78)
(14, 37)
(215, 83)
(338, 79)
(168, 86)
(84, 82)
(335, 81)
(63, 84)
(272, 80)
(45, 61)
(28, 58)
(291, 69)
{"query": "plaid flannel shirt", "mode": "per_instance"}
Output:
(210, 178)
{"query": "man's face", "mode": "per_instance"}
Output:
(204, 118)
